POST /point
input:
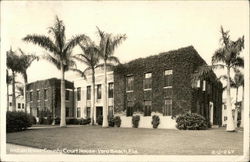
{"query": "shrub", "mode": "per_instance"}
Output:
(84, 121)
(117, 121)
(57, 120)
(191, 121)
(135, 121)
(155, 121)
(99, 120)
(17, 121)
(33, 119)
(209, 125)
(111, 121)
(72, 121)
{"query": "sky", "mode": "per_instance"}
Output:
(151, 27)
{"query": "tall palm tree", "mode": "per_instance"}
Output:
(60, 54)
(225, 57)
(26, 60)
(13, 63)
(90, 57)
(108, 44)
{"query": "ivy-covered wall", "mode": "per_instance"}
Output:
(183, 62)
(53, 96)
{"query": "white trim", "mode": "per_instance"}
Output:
(130, 91)
(168, 87)
(148, 89)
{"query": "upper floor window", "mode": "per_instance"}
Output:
(38, 94)
(45, 94)
(168, 78)
(67, 95)
(111, 90)
(19, 105)
(147, 82)
(99, 91)
(130, 83)
(88, 92)
(78, 93)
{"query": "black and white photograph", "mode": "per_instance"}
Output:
(124, 80)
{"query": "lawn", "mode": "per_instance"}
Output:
(132, 140)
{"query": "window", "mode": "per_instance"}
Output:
(88, 112)
(130, 83)
(10, 103)
(99, 91)
(168, 77)
(38, 94)
(111, 90)
(198, 84)
(147, 82)
(204, 85)
(31, 97)
(45, 94)
(147, 108)
(225, 107)
(225, 118)
(78, 112)
(167, 111)
(110, 111)
(19, 105)
(67, 111)
(67, 95)
(88, 92)
(23, 105)
(129, 108)
(168, 92)
(78, 93)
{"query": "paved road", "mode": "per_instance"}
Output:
(18, 149)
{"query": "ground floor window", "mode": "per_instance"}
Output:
(147, 108)
(129, 108)
(19, 105)
(88, 112)
(23, 105)
(67, 111)
(110, 112)
(167, 111)
(225, 118)
(78, 112)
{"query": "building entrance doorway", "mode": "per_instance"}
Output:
(98, 111)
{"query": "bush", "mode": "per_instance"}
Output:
(17, 121)
(99, 120)
(117, 121)
(135, 121)
(33, 119)
(191, 121)
(84, 121)
(57, 120)
(155, 121)
(209, 125)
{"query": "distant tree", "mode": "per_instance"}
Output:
(60, 54)
(26, 60)
(90, 57)
(13, 63)
(108, 44)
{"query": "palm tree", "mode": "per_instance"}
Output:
(13, 63)
(60, 54)
(108, 44)
(26, 60)
(90, 57)
(225, 57)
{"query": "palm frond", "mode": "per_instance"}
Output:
(42, 41)
(74, 41)
(78, 71)
(238, 62)
(218, 56)
(54, 61)
(113, 59)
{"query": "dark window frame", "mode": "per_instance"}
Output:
(168, 107)
(99, 91)
(111, 90)
(147, 107)
(168, 78)
(88, 92)
(78, 112)
(67, 94)
(78, 92)
(147, 82)
(130, 83)
(130, 109)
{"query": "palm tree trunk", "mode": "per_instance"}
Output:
(242, 109)
(93, 116)
(236, 109)
(25, 84)
(13, 92)
(53, 107)
(230, 122)
(105, 115)
(7, 81)
(63, 120)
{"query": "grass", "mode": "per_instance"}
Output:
(140, 141)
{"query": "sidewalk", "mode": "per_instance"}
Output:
(18, 149)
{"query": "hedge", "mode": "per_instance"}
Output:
(191, 121)
(17, 121)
